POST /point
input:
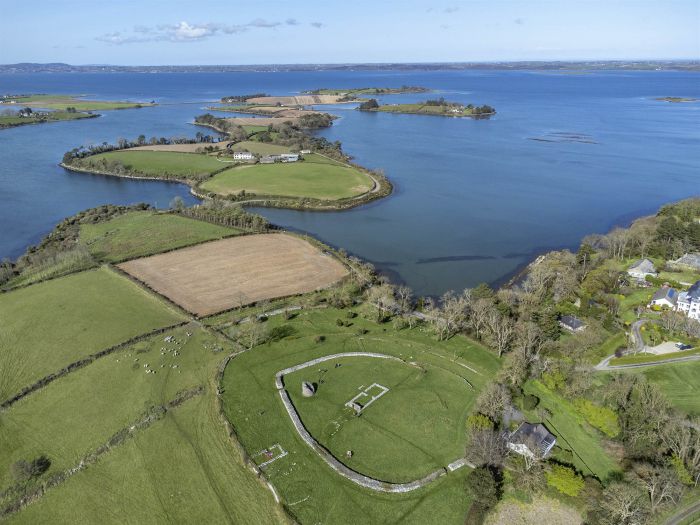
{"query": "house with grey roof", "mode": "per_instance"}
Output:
(531, 440)
(665, 297)
(690, 261)
(571, 323)
(640, 269)
(689, 302)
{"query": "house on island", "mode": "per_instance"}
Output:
(243, 155)
(689, 261)
(689, 302)
(640, 269)
(665, 297)
(571, 323)
(531, 440)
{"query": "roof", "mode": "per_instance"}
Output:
(665, 292)
(536, 434)
(571, 321)
(689, 259)
(694, 292)
(644, 266)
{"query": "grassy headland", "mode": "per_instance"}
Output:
(439, 107)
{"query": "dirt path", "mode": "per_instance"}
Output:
(684, 514)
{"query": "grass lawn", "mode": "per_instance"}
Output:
(254, 129)
(573, 433)
(261, 148)
(61, 102)
(410, 431)
(608, 347)
(681, 277)
(310, 488)
(315, 177)
(423, 109)
(160, 163)
(182, 469)
(628, 303)
(49, 325)
(142, 233)
(680, 382)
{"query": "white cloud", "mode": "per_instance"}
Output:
(187, 32)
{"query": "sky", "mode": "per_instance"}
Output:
(174, 32)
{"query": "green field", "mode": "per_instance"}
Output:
(315, 177)
(140, 233)
(368, 91)
(159, 163)
(312, 491)
(49, 325)
(573, 433)
(412, 430)
(54, 116)
(260, 148)
(423, 109)
(181, 469)
(680, 382)
(61, 102)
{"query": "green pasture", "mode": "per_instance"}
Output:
(159, 163)
(141, 233)
(49, 325)
(314, 177)
(680, 382)
(312, 491)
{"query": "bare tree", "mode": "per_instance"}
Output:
(480, 310)
(486, 447)
(661, 484)
(404, 297)
(493, 400)
(622, 504)
(501, 330)
(672, 321)
(382, 299)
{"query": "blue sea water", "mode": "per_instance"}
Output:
(567, 154)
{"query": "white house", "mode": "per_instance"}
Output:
(243, 155)
(305, 151)
(571, 323)
(289, 157)
(665, 297)
(641, 269)
(689, 302)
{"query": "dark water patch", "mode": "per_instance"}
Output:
(454, 258)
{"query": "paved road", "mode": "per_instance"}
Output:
(684, 514)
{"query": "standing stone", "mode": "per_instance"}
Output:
(307, 389)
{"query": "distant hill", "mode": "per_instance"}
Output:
(661, 65)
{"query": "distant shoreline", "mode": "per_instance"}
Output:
(576, 65)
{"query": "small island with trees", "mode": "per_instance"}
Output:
(438, 107)
(42, 108)
(676, 99)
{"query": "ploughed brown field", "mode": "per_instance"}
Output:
(299, 100)
(219, 275)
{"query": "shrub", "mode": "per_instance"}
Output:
(530, 402)
(565, 480)
(23, 470)
(319, 338)
(282, 331)
(602, 418)
(479, 422)
(351, 315)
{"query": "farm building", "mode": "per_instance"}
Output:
(640, 269)
(665, 297)
(571, 323)
(531, 440)
(243, 155)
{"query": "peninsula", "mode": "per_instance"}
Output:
(42, 108)
(277, 165)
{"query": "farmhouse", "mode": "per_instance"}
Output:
(531, 440)
(641, 269)
(690, 261)
(283, 157)
(689, 302)
(665, 297)
(243, 155)
(571, 323)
